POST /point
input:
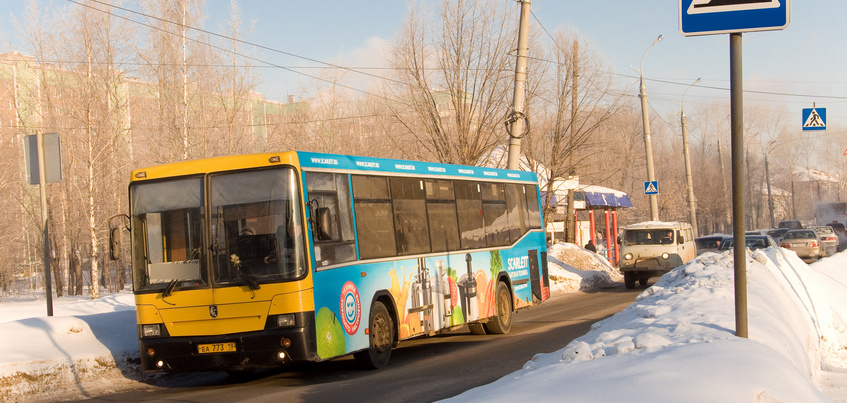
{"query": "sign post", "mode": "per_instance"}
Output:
(43, 165)
(706, 17)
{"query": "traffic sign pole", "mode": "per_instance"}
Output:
(704, 17)
(737, 133)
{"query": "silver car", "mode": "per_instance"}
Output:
(804, 242)
(829, 239)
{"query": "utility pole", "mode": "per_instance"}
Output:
(770, 197)
(570, 220)
(515, 123)
(648, 143)
(728, 215)
(692, 207)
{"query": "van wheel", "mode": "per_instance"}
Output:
(629, 280)
(380, 341)
(643, 281)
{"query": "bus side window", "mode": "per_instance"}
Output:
(331, 194)
(441, 212)
(374, 217)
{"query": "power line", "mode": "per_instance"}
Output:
(224, 49)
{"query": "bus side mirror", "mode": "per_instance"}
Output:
(324, 224)
(115, 243)
(680, 240)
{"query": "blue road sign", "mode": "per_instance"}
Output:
(651, 187)
(705, 17)
(814, 119)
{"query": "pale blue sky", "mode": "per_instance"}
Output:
(808, 58)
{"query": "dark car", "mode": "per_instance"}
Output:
(777, 233)
(790, 224)
(708, 243)
(753, 242)
(841, 232)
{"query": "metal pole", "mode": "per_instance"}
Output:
(737, 130)
(42, 182)
(648, 144)
(692, 208)
(770, 197)
(518, 116)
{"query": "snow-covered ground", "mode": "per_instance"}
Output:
(675, 343)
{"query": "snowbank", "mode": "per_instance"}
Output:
(675, 343)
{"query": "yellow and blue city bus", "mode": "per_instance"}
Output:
(262, 260)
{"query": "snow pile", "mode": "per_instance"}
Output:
(572, 268)
(677, 341)
(88, 347)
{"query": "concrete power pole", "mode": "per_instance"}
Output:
(648, 143)
(570, 220)
(515, 123)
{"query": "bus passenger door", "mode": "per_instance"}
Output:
(534, 277)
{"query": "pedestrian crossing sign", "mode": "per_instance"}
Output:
(814, 119)
(651, 187)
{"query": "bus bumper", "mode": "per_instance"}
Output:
(253, 350)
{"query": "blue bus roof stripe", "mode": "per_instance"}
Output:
(367, 164)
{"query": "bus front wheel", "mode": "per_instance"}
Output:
(502, 322)
(381, 339)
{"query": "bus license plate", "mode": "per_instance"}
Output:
(216, 348)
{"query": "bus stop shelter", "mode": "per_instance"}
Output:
(608, 201)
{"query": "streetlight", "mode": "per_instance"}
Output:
(648, 144)
(692, 210)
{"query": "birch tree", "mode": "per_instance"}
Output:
(451, 86)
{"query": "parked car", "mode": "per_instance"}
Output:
(777, 233)
(709, 243)
(756, 231)
(790, 224)
(841, 232)
(829, 241)
(753, 242)
(804, 242)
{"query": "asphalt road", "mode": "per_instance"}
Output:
(422, 370)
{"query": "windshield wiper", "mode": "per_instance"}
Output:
(249, 279)
(169, 288)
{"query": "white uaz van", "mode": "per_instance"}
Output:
(653, 248)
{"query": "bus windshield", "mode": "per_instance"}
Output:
(256, 227)
(255, 231)
(648, 237)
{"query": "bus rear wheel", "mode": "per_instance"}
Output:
(381, 339)
(502, 322)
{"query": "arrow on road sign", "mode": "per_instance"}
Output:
(716, 6)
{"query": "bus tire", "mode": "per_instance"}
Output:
(476, 328)
(380, 340)
(629, 280)
(502, 322)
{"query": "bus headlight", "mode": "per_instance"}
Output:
(665, 255)
(286, 320)
(151, 330)
(627, 256)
